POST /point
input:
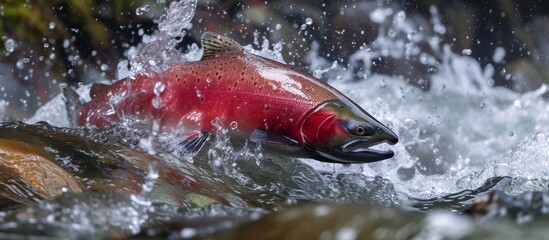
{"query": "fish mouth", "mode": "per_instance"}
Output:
(354, 151)
(360, 150)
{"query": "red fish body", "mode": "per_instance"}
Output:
(247, 91)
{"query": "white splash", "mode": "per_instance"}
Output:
(454, 136)
(55, 112)
(157, 52)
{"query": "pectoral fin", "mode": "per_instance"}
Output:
(192, 142)
(264, 136)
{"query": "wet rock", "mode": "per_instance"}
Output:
(317, 221)
(30, 174)
(59, 160)
(521, 208)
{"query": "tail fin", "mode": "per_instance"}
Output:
(73, 103)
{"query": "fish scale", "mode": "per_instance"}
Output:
(238, 92)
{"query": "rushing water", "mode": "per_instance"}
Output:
(461, 137)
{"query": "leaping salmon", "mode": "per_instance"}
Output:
(272, 103)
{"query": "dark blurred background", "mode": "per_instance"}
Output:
(45, 43)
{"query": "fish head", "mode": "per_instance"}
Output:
(342, 132)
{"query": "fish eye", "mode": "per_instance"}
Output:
(360, 130)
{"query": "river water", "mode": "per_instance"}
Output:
(461, 139)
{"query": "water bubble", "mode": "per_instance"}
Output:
(380, 14)
(467, 51)
(188, 232)
(159, 87)
(412, 127)
(66, 43)
(234, 125)
(199, 93)
(309, 21)
(21, 63)
(303, 27)
(346, 233)
(499, 55)
(141, 10)
(291, 201)
(51, 25)
(482, 105)
(10, 45)
(157, 102)
(401, 16)
(382, 83)
(511, 133)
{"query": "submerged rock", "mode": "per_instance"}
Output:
(521, 208)
(43, 162)
(30, 173)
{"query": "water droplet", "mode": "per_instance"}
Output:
(467, 51)
(157, 102)
(199, 94)
(309, 21)
(188, 232)
(104, 67)
(482, 105)
(141, 10)
(382, 83)
(412, 127)
(10, 45)
(278, 26)
(499, 55)
(511, 133)
(51, 25)
(234, 125)
(401, 16)
(21, 63)
(159, 87)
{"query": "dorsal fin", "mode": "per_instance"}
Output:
(97, 88)
(214, 44)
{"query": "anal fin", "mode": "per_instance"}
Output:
(192, 142)
(264, 136)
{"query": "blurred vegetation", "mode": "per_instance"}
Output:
(62, 40)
